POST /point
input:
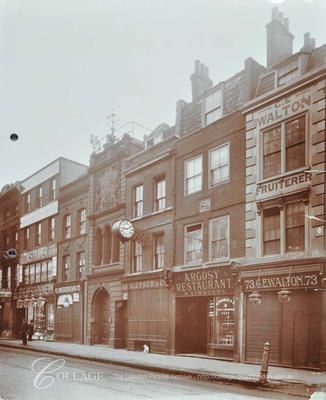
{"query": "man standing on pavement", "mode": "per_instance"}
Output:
(30, 330)
(24, 332)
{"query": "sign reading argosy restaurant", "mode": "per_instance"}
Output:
(207, 282)
(297, 280)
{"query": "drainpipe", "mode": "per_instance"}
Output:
(325, 165)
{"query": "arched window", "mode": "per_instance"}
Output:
(115, 248)
(107, 245)
(98, 247)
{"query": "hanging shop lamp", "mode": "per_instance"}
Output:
(66, 303)
(26, 302)
(41, 301)
(255, 298)
(284, 296)
(33, 301)
(20, 303)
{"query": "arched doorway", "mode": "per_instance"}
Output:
(101, 314)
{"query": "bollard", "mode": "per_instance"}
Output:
(264, 363)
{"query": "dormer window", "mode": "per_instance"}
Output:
(288, 72)
(213, 107)
(154, 140)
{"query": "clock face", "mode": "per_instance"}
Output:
(126, 229)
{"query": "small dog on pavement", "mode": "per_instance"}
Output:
(145, 349)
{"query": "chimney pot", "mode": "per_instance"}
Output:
(200, 81)
(286, 23)
(306, 40)
(274, 13)
(313, 43)
(280, 17)
(197, 65)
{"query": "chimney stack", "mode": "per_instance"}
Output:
(200, 81)
(279, 38)
(308, 43)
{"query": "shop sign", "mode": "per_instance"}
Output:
(148, 284)
(44, 289)
(283, 109)
(5, 293)
(283, 185)
(75, 297)
(298, 280)
(38, 254)
(208, 282)
(204, 205)
(67, 289)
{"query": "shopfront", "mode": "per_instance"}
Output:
(35, 295)
(36, 305)
(150, 311)
(69, 312)
(205, 312)
(283, 306)
(5, 313)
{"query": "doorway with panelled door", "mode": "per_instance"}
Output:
(101, 317)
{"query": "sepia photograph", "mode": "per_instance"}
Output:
(162, 199)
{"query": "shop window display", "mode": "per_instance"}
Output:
(221, 321)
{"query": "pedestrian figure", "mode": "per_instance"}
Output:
(30, 330)
(24, 332)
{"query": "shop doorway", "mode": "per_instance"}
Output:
(2, 325)
(121, 324)
(101, 313)
(293, 329)
(191, 325)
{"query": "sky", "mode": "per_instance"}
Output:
(65, 65)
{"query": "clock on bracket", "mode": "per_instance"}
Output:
(124, 229)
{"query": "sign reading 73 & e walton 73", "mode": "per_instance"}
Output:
(296, 280)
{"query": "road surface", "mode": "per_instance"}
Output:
(27, 375)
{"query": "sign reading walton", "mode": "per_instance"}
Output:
(283, 109)
(207, 282)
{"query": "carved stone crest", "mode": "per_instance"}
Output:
(107, 190)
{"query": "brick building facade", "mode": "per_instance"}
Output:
(150, 197)
(106, 311)
(228, 208)
(72, 261)
(283, 281)
(9, 239)
(37, 273)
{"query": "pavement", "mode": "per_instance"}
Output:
(299, 382)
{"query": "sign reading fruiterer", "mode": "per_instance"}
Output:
(204, 282)
(283, 185)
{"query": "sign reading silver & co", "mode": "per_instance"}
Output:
(208, 282)
(149, 284)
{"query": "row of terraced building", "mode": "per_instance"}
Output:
(226, 215)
